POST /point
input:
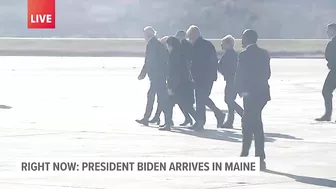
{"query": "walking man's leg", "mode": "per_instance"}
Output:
(231, 114)
(149, 106)
(200, 108)
(156, 118)
(327, 92)
(247, 127)
(220, 116)
(185, 111)
(166, 105)
(186, 101)
(259, 136)
(202, 93)
(230, 97)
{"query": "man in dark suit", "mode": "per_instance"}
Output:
(330, 82)
(186, 45)
(204, 72)
(251, 82)
(151, 96)
(227, 67)
(155, 67)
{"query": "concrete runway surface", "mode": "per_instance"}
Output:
(86, 107)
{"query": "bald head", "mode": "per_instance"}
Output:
(193, 33)
(149, 32)
(249, 37)
(331, 30)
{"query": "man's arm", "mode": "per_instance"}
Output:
(328, 52)
(144, 69)
(267, 67)
(330, 55)
(165, 57)
(257, 71)
(221, 65)
(213, 60)
(239, 74)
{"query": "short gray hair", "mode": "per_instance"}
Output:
(164, 39)
(150, 30)
(194, 29)
(229, 39)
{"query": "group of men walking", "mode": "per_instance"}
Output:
(183, 72)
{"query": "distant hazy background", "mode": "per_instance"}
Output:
(216, 18)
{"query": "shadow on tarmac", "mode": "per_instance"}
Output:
(5, 107)
(229, 135)
(307, 180)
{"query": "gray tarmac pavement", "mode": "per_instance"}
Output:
(85, 107)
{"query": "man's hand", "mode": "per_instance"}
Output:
(141, 76)
(170, 92)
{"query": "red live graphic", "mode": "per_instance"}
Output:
(41, 14)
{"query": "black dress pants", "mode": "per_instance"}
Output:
(253, 126)
(327, 92)
(230, 97)
(160, 89)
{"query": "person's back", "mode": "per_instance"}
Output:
(156, 58)
(178, 68)
(330, 54)
(204, 61)
(228, 65)
(186, 45)
(254, 71)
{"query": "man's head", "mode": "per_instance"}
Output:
(181, 35)
(249, 37)
(149, 33)
(163, 40)
(193, 33)
(228, 42)
(173, 43)
(331, 30)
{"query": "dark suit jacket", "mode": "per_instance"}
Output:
(330, 54)
(253, 72)
(186, 49)
(228, 65)
(203, 61)
(156, 59)
(178, 76)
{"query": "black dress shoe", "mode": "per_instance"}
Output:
(187, 122)
(142, 122)
(220, 119)
(323, 118)
(227, 126)
(165, 128)
(155, 120)
(196, 127)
